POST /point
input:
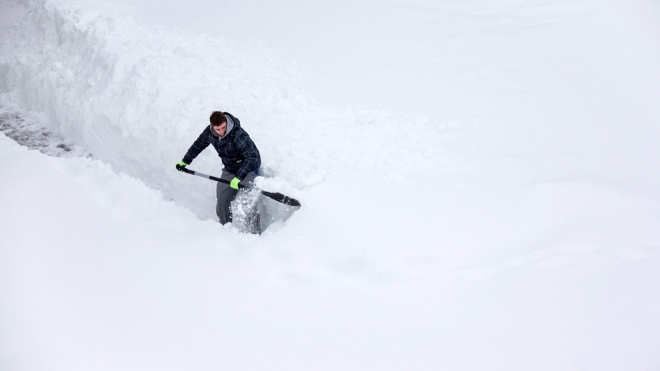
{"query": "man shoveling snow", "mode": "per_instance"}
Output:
(241, 159)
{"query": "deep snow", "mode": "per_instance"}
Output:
(497, 210)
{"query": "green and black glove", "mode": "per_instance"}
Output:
(234, 183)
(180, 165)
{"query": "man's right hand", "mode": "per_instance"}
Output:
(180, 165)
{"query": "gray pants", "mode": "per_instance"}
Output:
(226, 195)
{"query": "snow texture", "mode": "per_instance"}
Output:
(479, 185)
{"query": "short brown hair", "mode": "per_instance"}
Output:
(217, 118)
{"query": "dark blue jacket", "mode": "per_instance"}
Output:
(237, 151)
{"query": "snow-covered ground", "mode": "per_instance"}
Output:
(479, 185)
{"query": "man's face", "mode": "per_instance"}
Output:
(221, 129)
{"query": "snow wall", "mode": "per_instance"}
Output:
(137, 96)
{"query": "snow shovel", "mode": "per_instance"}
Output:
(275, 196)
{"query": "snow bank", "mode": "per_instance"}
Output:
(99, 272)
(77, 267)
(538, 255)
(136, 97)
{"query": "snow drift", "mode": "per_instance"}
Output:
(137, 96)
(522, 236)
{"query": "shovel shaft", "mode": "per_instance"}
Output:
(272, 195)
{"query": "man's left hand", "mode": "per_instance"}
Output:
(234, 183)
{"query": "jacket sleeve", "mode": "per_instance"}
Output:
(248, 150)
(198, 146)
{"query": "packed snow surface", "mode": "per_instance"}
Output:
(479, 183)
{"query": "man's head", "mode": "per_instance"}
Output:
(219, 123)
